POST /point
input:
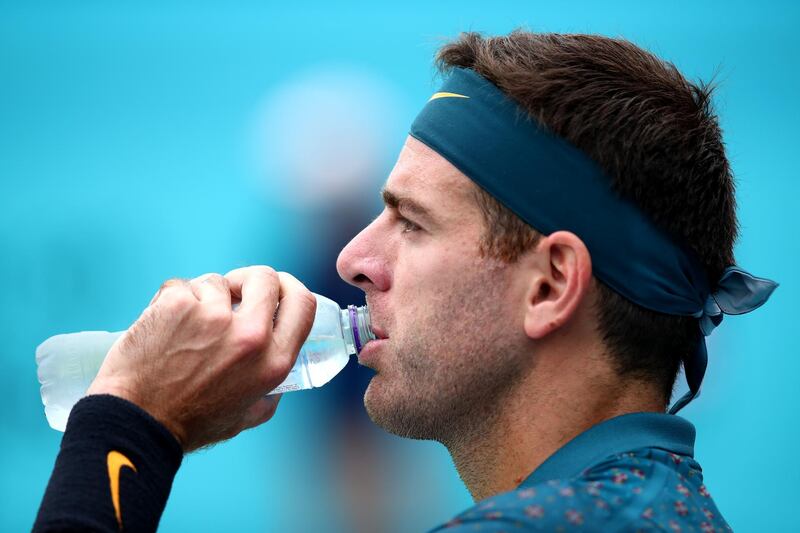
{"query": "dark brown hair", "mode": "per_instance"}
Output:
(656, 136)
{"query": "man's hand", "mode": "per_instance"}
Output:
(202, 369)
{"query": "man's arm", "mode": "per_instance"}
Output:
(114, 471)
(189, 372)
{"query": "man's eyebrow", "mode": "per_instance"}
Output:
(404, 203)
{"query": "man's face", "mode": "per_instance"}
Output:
(455, 336)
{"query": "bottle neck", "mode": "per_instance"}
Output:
(356, 328)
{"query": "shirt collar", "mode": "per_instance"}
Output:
(617, 435)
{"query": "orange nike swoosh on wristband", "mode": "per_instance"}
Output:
(115, 461)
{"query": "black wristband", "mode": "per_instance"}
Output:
(114, 471)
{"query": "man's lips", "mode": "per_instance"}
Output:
(379, 332)
(368, 353)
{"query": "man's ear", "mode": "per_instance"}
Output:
(559, 283)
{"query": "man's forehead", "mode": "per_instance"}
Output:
(425, 176)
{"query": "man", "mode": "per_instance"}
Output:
(557, 240)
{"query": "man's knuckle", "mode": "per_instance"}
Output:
(252, 337)
(177, 300)
(268, 273)
(309, 303)
(261, 270)
(211, 277)
(167, 286)
(217, 317)
(169, 283)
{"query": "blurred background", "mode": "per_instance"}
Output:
(148, 140)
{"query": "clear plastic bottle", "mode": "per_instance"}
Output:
(67, 364)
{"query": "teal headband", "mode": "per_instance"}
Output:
(552, 185)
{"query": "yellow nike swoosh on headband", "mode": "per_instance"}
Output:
(446, 95)
(116, 461)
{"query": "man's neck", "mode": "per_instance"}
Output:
(537, 419)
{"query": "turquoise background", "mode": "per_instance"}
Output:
(125, 159)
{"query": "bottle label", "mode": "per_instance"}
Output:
(287, 387)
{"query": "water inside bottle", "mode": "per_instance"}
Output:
(320, 359)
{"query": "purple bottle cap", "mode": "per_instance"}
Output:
(353, 311)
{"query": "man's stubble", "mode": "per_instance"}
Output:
(447, 372)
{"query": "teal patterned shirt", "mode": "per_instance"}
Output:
(635, 472)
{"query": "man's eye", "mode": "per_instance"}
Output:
(407, 225)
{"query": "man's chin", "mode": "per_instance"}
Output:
(373, 401)
(392, 412)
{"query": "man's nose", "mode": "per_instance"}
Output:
(363, 262)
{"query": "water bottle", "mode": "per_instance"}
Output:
(67, 364)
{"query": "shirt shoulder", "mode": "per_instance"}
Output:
(644, 490)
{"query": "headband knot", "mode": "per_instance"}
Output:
(738, 292)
